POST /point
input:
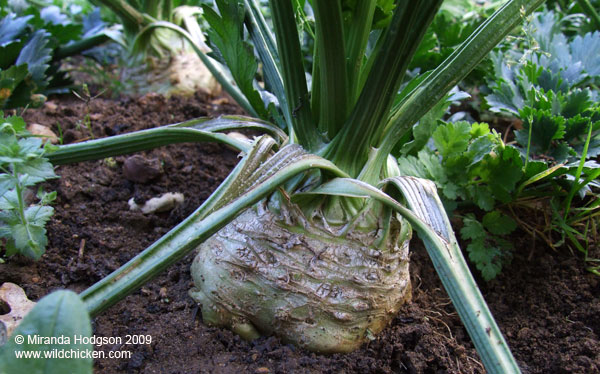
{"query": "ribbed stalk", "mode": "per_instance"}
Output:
(254, 7)
(195, 130)
(135, 142)
(357, 39)
(166, 9)
(404, 34)
(153, 8)
(79, 46)
(265, 47)
(456, 277)
(292, 69)
(331, 60)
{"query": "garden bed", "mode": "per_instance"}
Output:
(545, 302)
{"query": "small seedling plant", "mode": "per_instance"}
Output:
(308, 236)
(23, 216)
(87, 98)
(23, 165)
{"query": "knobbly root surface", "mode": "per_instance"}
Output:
(282, 274)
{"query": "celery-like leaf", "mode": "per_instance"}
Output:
(226, 34)
(487, 249)
(484, 258)
(23, 165)
(481, 196)
(423, 130)
(453, 138)
(472, 229)
(503, 172)
(498, 223)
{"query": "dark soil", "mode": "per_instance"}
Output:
(547, 305)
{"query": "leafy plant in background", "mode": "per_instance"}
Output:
(157, 59)
(452, 25)
(470, 163)
(311, 247)
(581, 16)
(556, 145)
(549, 90)
(553, 91)
(23, 165)
(32, 45)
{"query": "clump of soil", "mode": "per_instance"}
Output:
(548, 307)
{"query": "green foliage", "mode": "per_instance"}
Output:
(455, 21)
(472, 166)
(31, 47)
(578, 16)
(469, 162)
(226, 35)
(488, 248)
(60, 314)
(384, 9)
(422, 131)
(552, 90)
(22, 166)
(24, 61)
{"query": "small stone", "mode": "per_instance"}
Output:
(50, 106)
(162, 292)
(43, 131)
(96, 116)
(220, 101)
(162, 203)
(262, 370)
(141, 170)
